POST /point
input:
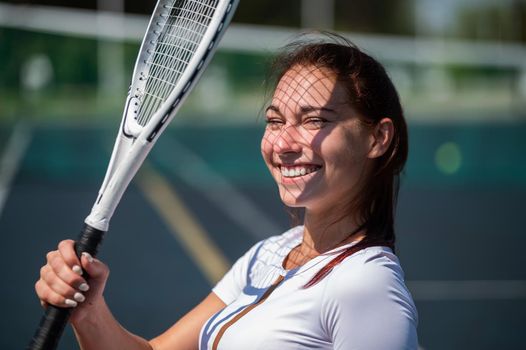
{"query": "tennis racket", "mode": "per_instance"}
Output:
(179, 42)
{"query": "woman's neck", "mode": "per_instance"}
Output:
(325, 232)
(322, 233)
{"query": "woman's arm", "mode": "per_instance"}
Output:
(184, 335)
(102, 328)
(61, 283)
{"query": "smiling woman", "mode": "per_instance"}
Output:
(344, 89)
(335, 143)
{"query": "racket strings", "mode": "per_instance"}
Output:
(183, 28)
(164, 53)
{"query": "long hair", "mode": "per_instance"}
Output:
(372, 94)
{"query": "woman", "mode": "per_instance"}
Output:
(335, 143)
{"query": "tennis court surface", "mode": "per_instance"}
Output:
(460, 226)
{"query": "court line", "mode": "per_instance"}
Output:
(467, 290)
(183, 225)
(11, 159)
(194, 171)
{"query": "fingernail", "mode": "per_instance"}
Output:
(71, 303)
(88, 256)
(84, 287)
(77, 269)
(43, 303)
(79, 297)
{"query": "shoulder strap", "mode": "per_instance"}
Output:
(340, 257)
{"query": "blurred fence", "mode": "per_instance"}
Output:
(62, 58)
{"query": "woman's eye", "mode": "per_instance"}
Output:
(274, 123)
(314, 123)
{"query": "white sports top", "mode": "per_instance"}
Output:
(362, 304)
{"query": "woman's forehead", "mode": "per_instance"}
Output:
(311, 85)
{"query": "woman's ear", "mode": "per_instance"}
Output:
(381, 138)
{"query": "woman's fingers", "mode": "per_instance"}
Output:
(56, 283)
(49, 296)
(95, 268)
(64, 271)
(61, 282)
(63, 279)
(66, 249)
(98, 274)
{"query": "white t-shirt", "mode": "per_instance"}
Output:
(362, 304)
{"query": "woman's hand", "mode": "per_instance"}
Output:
(62, 284)
(62, 281)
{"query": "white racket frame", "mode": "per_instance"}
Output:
(134, 142)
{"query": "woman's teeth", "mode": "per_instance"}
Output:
(297, 171)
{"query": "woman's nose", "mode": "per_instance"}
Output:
(289, 140)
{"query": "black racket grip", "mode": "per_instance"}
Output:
(55, 318)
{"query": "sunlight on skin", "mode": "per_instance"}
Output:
(311, 125)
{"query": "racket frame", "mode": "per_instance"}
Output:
(133, 141)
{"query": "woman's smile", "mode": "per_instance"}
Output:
(298, 171)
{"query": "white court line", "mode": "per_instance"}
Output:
(194, 171)
(10, 161)
(467, 290)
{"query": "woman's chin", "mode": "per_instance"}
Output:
(293, 200)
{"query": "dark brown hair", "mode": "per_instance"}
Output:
(372, 94)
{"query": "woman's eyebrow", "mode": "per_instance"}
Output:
(304, 109)
(273, 108)
(308, 109)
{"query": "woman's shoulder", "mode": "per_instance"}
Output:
(367, 292)
(369, 271)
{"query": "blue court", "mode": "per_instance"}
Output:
(460, 235)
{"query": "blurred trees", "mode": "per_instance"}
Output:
(269, 12)
(375, 16)
(499, 21)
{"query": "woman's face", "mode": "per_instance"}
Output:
(314, 144)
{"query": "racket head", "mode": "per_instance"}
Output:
(181, 38)
(179, 43)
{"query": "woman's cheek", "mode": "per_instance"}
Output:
(266, 146)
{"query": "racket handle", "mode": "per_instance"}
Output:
(55, 318)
